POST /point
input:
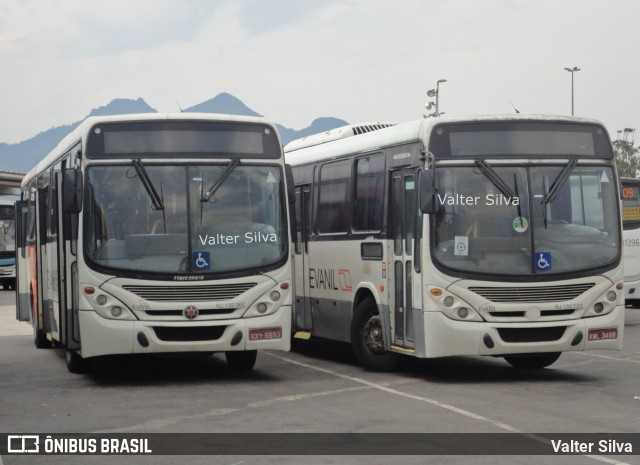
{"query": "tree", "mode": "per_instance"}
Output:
(626, 153)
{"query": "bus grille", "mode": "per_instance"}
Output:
(532, 294)
(190, 293)
(519, 335)
(188, 334)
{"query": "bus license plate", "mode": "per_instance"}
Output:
(602, 334)
(264, 334)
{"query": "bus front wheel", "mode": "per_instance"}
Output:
(76, 363)
(532, 361)
(241, 361)
(367, 338)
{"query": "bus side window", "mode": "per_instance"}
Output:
(368, 208)
(333, 203)
(30, 232)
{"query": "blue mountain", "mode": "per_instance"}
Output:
(23, 156)
(223, 103)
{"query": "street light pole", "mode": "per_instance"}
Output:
(438, 95)
(572, 70)
(435, 93)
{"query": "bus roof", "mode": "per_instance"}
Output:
(77, 134)
(300, 152)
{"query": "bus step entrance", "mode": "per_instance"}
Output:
(404, 350)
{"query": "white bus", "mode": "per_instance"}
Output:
(146, 234)
(630, 193)
(495, 236)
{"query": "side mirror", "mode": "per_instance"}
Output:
(72, 190)
(428, 192)
(291, 197)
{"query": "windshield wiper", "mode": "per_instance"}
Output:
(559, 181)
(206, 196)
(495, 179)
(156, 200)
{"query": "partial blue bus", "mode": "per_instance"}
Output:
(7, 245)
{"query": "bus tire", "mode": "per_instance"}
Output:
(76, 363)
(241, 361)
(532, 361)
(40, 340)
(367, 338)
(635, 303)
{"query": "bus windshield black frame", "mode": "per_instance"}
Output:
(187, 139)
(530, 139)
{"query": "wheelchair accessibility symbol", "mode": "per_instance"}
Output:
(543, 261)
(201, 261)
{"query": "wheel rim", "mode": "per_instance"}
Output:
(372, 335)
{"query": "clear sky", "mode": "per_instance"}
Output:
(296, 60)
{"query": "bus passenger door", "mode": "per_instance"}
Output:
(23, 304)
(68, 251)
(57, 233)
(50, 271)
(303, 319)
(403, 220)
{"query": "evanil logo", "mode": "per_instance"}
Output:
(337, 280)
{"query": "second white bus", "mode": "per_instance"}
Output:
(495, 236)
(630, 193)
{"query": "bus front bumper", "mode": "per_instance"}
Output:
(101, 336)
(447, 337)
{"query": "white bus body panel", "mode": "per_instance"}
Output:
(104, 336)
(449, 337)
(632, 266)
(101, 336)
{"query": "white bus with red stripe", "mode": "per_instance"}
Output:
(145, 234)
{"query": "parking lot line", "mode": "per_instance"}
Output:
(452, 408)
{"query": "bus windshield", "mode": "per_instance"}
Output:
(519, 221)
(241, 226)
(7, 232)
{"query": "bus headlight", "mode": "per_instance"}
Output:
(116, 311)
(453, 306)
(269, 302)
(604, 304)
(106, 305)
